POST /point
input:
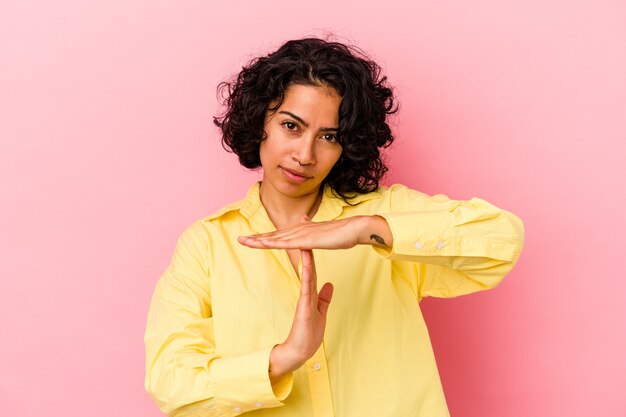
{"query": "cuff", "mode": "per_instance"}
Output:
(419, 236)
(243, 382)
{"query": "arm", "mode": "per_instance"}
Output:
(184, 374)
(452, 247)
(335, 234)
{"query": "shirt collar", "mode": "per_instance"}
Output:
(330, 207)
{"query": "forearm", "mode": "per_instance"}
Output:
(454, 247)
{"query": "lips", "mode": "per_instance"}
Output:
(294, 172)
(296, 176)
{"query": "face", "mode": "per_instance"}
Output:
(301, 145)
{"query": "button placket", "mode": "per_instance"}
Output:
(319, 384)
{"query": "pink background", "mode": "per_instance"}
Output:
(108, 152)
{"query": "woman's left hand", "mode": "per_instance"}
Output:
(334, 234)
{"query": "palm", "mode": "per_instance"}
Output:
(309, 323)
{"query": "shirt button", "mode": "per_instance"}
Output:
(418, 245)
(440, 245)
(258, 404)
(237, 409)
(317, 366)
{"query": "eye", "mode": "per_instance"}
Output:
(290, 125)
(331, 137)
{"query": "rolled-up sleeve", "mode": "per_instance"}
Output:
(452, 247)
(184, 374)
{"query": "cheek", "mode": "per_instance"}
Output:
(331, 158)
(268, 148)
(337, 150)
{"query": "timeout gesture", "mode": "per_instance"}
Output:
(309, 322)
(335, 234)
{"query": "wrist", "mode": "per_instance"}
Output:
(282, 362)
(375, 231)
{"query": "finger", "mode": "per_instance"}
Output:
(306, 287)
(295, 243)
(313, 274)
(253, 240)
(273, 235)
(285, 233)
(252, 243)
(324, 297)
(303, 220)
(302, 243)
(313, 270)
(308, 265)
(259, 235)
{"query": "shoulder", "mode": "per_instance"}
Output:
(401, 194)
(384, 199)
(223, 212)
(247, 205)
(199, 232)
(399, 197)
(397, 190)
(398, 193)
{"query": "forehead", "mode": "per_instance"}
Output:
(312, 103)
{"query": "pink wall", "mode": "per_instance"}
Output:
(108, 152)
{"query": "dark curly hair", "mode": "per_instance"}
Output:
(367, 99)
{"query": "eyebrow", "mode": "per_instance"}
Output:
(324, 129)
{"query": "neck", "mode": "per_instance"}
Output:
(285, 211)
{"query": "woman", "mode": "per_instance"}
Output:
(237, 322)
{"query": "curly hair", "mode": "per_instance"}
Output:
(367, 99)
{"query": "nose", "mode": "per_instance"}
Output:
(304, 151)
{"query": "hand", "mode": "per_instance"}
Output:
(309, 322)
(334, 234)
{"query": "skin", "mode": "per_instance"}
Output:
(299, 151)
(300, 138)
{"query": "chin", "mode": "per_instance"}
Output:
(298, 190)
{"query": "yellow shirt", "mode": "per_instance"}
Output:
(220, 307)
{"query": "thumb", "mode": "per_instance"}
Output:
(324, 297)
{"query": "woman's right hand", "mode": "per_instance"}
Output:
(309, 322)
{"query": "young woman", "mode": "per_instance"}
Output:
(238, 322)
